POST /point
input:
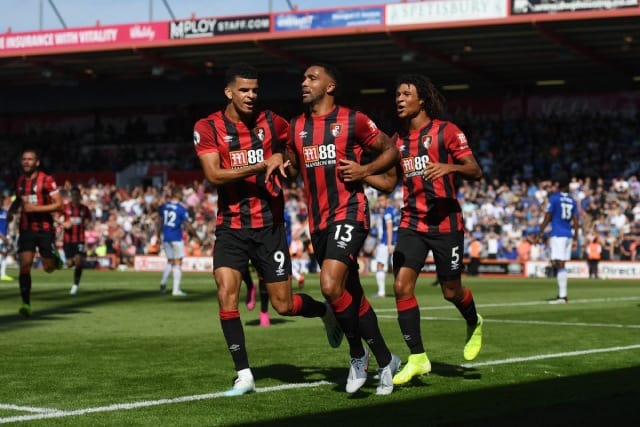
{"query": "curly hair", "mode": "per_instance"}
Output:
(434, 101)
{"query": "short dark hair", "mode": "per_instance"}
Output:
(32, 150)
(562, 178)
(332, 71)
(434, 101)
(176, 192)
(242, 70)
(75, 190)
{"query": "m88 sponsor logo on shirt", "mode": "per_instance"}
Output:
(244, 158)
(319, 155)
(414, 166)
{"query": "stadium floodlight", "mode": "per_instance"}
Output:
(55, 10)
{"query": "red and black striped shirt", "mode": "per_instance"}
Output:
(318, 143)
(249, 203)
(78, 216)
(431, 206)
(37, 191)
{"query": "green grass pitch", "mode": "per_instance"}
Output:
(121, 354)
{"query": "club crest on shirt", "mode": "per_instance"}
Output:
(335, 129)
(259, 132)
(426, 141)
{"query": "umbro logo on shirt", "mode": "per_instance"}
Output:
(303, 134)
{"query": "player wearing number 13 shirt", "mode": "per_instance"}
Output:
(325, 147)
(241, 153)
(433, 152)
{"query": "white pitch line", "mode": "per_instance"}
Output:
(519, 304)
(551, 356)
(527, 322)
(11, 407)
(523, 303)
(147, 403)
(134, 405)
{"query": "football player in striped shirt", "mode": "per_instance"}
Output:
(241, 153)
(434, 152)
(325, 147)
(37, 197)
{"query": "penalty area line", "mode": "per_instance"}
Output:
(51, 413)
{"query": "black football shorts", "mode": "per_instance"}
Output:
(412, 248)
(265, 247)
(29, 240)
(341, 241)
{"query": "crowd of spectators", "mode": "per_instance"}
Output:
(518, 158)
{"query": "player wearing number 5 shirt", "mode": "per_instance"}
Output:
(433, 153)
(241, 152)
(38, 196)
(325, 147)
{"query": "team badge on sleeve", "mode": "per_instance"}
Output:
(335, 129)
(196, 137)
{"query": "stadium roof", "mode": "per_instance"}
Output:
(592, 50)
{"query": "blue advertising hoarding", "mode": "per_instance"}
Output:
(338, 18)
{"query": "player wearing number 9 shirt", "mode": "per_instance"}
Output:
(241, 152)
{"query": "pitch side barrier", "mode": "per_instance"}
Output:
(106, 262)
(577, 269)
(488, 268)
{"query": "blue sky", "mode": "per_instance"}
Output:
(24, 15)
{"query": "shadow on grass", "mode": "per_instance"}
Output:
(296, 374)
(69, 304)
(603, 398)
(275, 321)
(86, 299)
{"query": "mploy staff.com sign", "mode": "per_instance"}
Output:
(211, 27)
